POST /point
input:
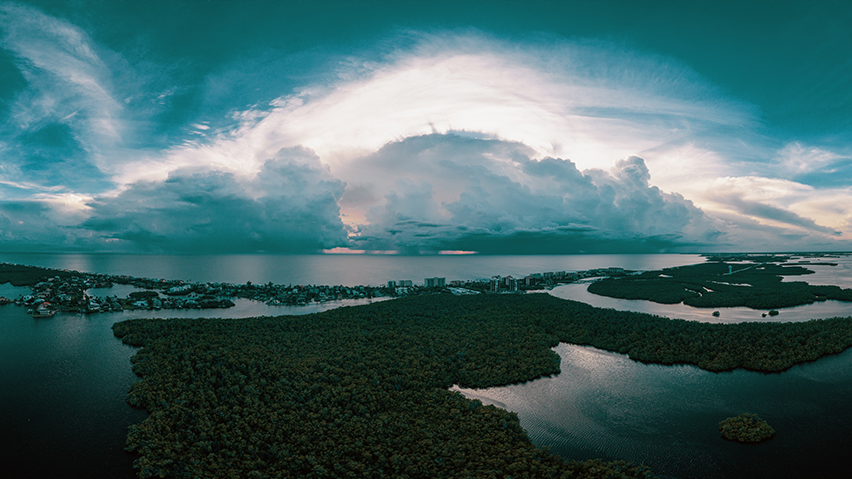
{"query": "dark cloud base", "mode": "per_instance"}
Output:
(508, 203)
(291, 206)
(526, 243)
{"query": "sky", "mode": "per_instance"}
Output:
(425, 127)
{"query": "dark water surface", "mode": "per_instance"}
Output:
(606, 405)
(63, 381)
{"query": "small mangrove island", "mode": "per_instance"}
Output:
(746, 428)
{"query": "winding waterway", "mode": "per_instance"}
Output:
(838, 273)
(806, 312)
(606, 405)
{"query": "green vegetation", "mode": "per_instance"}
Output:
(746, 428)
(143, 295)
(362, 391)
(708, 285)
(20, 275)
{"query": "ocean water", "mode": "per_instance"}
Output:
(63, 379)
(349, 270)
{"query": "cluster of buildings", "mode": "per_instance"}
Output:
(435, 282)
(509, 284)
(191, 300)
(275, 294)
(500, 284)
(538, 280)
(406, 287)
(71, 292)
(67, 293)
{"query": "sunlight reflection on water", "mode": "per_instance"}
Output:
(603, 404)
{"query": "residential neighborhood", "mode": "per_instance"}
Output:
(72, 291)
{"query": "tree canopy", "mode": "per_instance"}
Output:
(746, 428)
(710, 285)
(362, 391)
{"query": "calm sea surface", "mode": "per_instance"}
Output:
(349, 270)
(63, 380)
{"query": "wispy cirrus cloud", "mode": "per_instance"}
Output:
(66, 75)
(80, 110)
(784, 203)
(65, 118)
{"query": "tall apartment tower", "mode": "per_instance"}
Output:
(435, 282)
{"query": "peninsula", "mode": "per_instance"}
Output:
(362, 391)
(724, 281)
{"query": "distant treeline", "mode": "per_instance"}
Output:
(708, 285)
(20, 275)
(362, 391)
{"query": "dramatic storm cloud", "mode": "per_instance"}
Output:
(488, 195)
(262, 127)
(289, 206)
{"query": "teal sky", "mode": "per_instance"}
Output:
(419, 127)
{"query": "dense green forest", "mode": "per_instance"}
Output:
(20, 275)
(708, 285)
(362, 391)
(746, 428)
